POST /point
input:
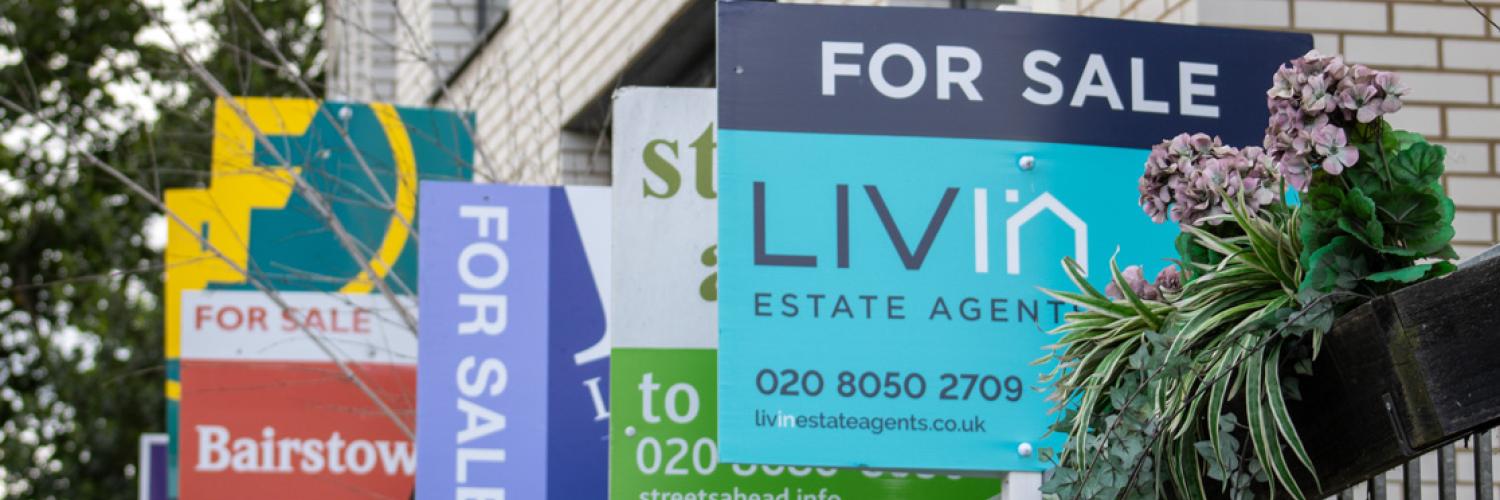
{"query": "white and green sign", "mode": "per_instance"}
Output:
(664, 395)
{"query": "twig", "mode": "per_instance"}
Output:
(275, 296)
(1483, 15)
(314, 198)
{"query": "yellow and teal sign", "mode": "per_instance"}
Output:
(365, 161)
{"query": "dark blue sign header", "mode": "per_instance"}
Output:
(992, 75)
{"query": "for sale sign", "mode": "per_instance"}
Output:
(664, 425)
(513, 374)
(262, 399)
(897, 184)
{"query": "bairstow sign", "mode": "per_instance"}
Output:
(896, 184)
(257, 406)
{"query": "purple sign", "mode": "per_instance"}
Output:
(513, 354)
(152, 473)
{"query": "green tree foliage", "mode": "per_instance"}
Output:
(81, 368)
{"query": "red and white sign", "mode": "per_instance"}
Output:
(272, 416)
(248, 326)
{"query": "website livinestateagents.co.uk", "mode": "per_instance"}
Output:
(873, 424)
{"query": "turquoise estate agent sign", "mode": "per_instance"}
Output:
(881, 244)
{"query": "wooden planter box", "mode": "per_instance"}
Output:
(1402, 375)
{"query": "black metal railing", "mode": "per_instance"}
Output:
(1479, 486)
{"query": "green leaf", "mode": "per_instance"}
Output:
(1090, 303)
(1406, 139)
(1417, 221)
(1318, 218)
(1190, 478)
(1434, 241)
(1418, 164)
(1337, 265)
(1441, 268)
(1135, 301)
(1410, 274)
(1215, 415)
(1276, 403)
(1076, 274)
(1262, 431)
(1192, 253)
(1359, 219)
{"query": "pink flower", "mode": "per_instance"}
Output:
(1284, 84)
(1391, 87)
(1315, 96)
(1296, 172)
(1362, 100)
(1333, 145)
(1135, 278)
(1311, 100)
(1169, 280)
(1192, 177)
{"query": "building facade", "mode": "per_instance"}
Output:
(539, 75)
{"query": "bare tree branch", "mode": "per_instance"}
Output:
(314, 198)
(270, 292)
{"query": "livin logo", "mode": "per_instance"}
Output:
(913, 258)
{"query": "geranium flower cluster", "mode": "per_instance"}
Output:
(1194, 176)
(1169, 280)
(1312, 101)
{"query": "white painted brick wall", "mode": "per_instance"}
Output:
(358, 37)
(1474, 123)
(1495, 90)
(1474, 192)
(1391, 51)
(1467, 157)
(1425, 120)
(1338, 15)
(585, 160)
(1446, 87)
(1327, 43)
(1471, 54)
(1473, 226)
(415, 76)
(1438, 19)
(1148, 10)
(1464, 252)
(1253, 13)
(548, 61)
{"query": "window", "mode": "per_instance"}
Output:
(487, 13)
(981, 4)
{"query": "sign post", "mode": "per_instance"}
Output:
(151, 466)
(897, 184)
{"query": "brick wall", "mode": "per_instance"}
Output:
(360, 37)
(546, 63)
